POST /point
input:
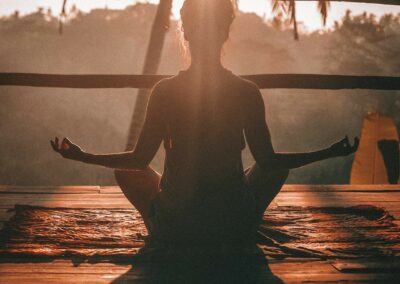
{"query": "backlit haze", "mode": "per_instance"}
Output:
(306, 11)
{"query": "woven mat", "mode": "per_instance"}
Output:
(337, 232)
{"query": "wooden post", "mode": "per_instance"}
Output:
(151, 64)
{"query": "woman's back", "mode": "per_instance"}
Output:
(204, 130)
(203, 172)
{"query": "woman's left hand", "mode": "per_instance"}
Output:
(344, 148)
(67, 149)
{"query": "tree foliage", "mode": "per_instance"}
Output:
(289, 7)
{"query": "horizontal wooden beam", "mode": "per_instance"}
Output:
(264, 81)
(383, 2)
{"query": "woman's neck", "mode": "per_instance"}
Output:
(209, 63)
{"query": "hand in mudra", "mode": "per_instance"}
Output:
(344, 148)
(67, 149)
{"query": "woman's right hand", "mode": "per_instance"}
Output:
(67, 149)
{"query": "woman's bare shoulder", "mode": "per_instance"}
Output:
(168, 84)
(163, 87)
(245, 87)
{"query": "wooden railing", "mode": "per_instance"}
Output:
(264, 81)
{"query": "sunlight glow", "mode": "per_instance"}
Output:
(306, 11)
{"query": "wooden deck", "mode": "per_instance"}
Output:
(288, 270)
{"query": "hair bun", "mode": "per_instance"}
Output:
(197, 12)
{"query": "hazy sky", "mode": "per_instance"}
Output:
(306, 12)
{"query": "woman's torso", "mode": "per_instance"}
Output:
(204, 132)
(203, 172)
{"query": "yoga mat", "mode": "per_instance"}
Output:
(333, 232)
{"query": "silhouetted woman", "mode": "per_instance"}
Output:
(204, 116)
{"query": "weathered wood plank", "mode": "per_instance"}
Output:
(335, 278)
(110, 203)
(391, 201)
(287, 196)
(52, 278)
(116, 189)
(308, 188)
(342, 187)
(64, 271)
(67, 267)
(73, 204)
(94, 187)
(390, 206)
(110, 190)
(289, 274)
(299, 266)
(341, 196)
(61, 196)
(62, 263)
(89, 201)
(287, 278)
(30, 280)
(49, 189)
(28, 268)
(367, 266)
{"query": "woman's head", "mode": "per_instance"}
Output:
(206, 23)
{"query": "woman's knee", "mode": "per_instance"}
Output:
(281, 174)
(277, 180)
(257, 175)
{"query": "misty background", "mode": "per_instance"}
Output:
(106, 41)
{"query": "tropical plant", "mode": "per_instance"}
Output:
(289, 7)
(63, 15)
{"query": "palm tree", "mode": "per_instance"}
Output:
(289, 7)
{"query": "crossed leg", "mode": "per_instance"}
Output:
(140, 187)
(265, 186)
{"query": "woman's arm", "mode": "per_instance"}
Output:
(295, 160)
(148, 143)
(259, 140)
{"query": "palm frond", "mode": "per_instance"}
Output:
(292, 11)
(323, 7)
(279, 5)
(62, 17)
(289, 8)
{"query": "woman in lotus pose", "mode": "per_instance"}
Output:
(203, 116)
